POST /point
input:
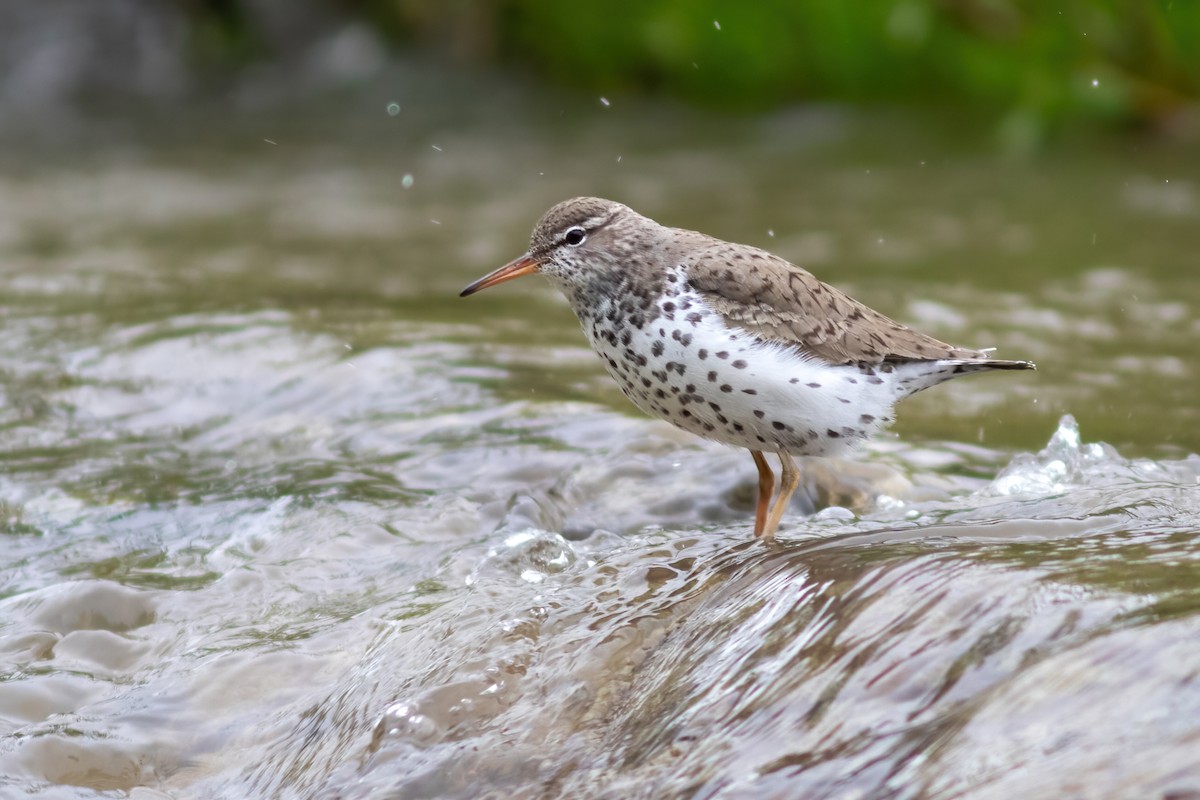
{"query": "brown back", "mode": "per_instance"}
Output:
(780, 302)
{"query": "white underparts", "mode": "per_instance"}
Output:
(687, 367)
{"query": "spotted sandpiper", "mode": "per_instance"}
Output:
(730, 342)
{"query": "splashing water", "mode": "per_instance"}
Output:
(865, 654)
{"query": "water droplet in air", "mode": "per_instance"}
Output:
(716, 25)
(1095, 82)
(393, 109)
(407, 181)
(604, 102)
(771, 232)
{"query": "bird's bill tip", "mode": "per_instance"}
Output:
(525, 265)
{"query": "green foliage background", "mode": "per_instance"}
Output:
(1043, 55)
(1031, 63)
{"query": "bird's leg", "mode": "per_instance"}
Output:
(766, 485)
(789, 479)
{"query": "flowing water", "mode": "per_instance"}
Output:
(281, 516)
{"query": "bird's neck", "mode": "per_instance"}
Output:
(598, 297)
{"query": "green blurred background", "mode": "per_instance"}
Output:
(1031, 66)
(1027, 68)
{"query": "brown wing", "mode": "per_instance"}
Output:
(781, 302)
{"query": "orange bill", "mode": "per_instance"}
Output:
(525, 265)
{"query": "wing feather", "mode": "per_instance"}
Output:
(780, 302)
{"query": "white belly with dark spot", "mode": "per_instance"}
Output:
(689, 368)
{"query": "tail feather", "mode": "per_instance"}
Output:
(989, 363)
(917, 375)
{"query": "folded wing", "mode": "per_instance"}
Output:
(780, 302)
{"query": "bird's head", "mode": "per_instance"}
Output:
(577, 242)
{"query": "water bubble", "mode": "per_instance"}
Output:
(393, 109)
(604, 102)
(833, 513)
(405, 722)
(407, 181)
(531, 555)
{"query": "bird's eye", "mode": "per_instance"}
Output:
(574, 236)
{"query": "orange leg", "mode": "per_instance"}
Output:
(766, 485)
(789, 479)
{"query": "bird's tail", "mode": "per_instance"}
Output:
(917, 375)
(993, 363)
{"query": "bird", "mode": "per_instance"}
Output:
(731, 342)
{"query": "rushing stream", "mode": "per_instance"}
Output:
(280, 516)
